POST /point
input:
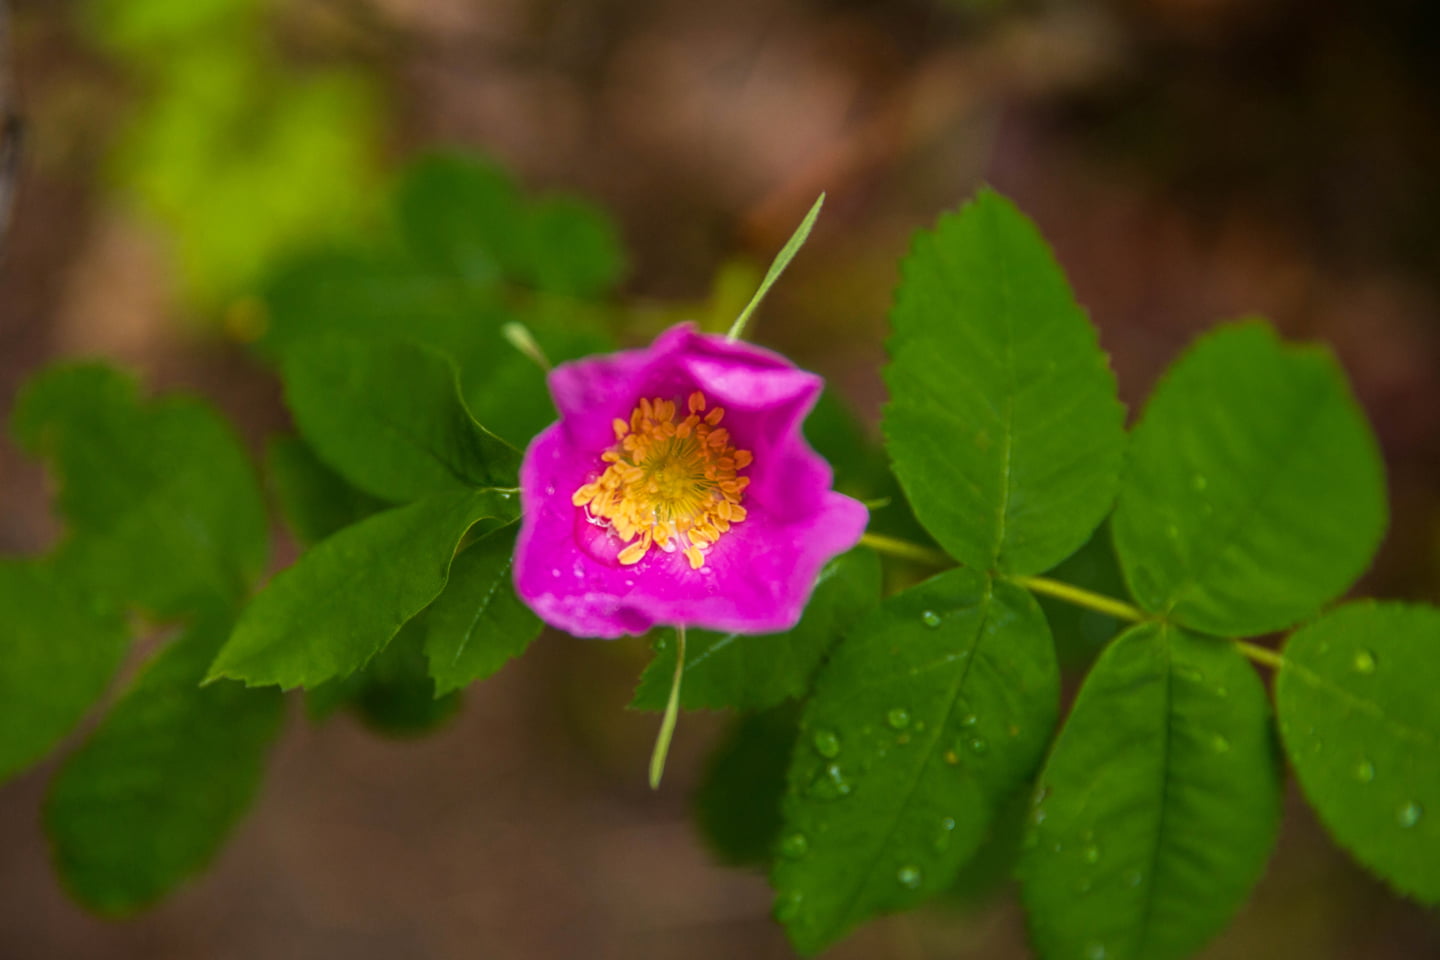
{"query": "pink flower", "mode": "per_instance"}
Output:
(676, 489)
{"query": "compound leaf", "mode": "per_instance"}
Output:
(930, 714)
(1254, 492)
(1003, 422)
(1361, 724)
(1158, 806)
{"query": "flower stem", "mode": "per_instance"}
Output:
(1259, 654)
(905, 550)
(1081, 597)
(672, 711)
(782, 260)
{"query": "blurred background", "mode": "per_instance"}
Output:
(1190, 160)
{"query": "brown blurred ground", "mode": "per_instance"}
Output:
(1191, 160)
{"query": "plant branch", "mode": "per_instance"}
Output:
(1081, 597)
(906, 550)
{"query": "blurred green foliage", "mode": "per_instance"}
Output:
(237, 153)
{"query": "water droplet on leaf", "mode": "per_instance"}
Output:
(899, 718)
(829, 784)
(1219, 744)
(1092, 854)
(827, 744)
(1410, 814)
(930, 618)
(787, 906)
(1365, 771)
(1364, 661)
(979, 747)
(909, 877)
(795, 846)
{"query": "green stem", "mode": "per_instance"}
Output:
(1080, 597)
(782, 260)
(905, 550)
(1260, 654)
(672, 712)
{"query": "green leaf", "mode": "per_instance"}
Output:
(315, 500)
(1254, 492)
(154, 792)
(388, 416)
(478, 624)
(929, 715)
(1003, 422)
(1359, 716)
(757, 672)
(463, 217)
(737, 806)
(574, 249)
(342, 602)
(60, 651)
(162, 503)
(1158, 806)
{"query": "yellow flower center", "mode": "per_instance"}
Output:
(670, 482)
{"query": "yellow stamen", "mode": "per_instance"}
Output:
(668, 481)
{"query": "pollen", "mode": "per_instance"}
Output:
(671, 480)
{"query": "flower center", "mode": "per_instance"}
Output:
(671, 482)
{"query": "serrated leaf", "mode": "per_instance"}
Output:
(1158, 806)
(753, 672)
(1003, 423)
(929, 715)
(479, 623)
(737, 806)
(60, 650)
(162, 504)
(1360, 720)
(389, 418)
(342, 602)
(315, 500)
(154, 792)
(1254, 492)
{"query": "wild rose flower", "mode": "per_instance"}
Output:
(676, 489)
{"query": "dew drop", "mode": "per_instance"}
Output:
(930, 618)
(909, 877)
(969, 720)
(1410, 814)
(829, 784)
(787, 906)
(979, 747)
(1364, 661)
(942, 839)
(899, 718)
(1092, 854)
(1219, 744)
(795, 846)
(826, 744)
(1364, 771)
